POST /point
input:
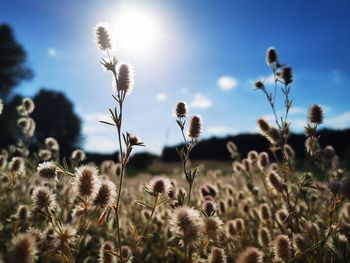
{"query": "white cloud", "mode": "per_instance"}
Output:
(51, 52)
(184, 89)
(99, 137)
(227, 83)
(293, 111)
(220, 130)
(339, 122)
(201, 102)
(161, 96)
(269, 80)
(297, 110)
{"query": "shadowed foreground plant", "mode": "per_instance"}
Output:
(194, 131)
(123, 81)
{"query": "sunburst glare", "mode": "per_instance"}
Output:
(136, 31)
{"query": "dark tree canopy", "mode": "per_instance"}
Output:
(13, 68)
(9, 131)
(55, 117)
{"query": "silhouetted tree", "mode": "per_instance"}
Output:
(142, 160)
(55, 117)
(13, 68)
(8, 125)
(215, 148)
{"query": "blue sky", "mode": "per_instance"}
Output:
(206, 53)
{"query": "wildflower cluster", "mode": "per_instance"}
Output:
(264, 209)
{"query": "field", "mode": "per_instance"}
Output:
(256, 208)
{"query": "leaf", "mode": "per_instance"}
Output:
(162, 202)
(106, 122)
(144, 204)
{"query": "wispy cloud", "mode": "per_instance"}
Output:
(227, 83)
(161, 96)
(220, 130)
(294, 111)
(339, 122)
(52, 52)
(201, 102)
(98, 137)
(184, 89)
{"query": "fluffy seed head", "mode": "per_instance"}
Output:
(232, 148)
(134, 140)
(103, 36)
(108, 167)
(195, 127)
(23, 212)
(289, 152)
(239, 224)
(281, 216)
(105, 194)
(286, 75)
(159, 184)
(209, 207)
(42, 197)
(28, 105)
(78, 155)
(22, 248)
(264, 237)
(126, 254)
(230, 228)
(237, 167)
(1, 106)
(181, 109)
(186, 222)
(250, 255)
(271, 56)
(23, 123)
(212, 227)
(299, 243)
(104, 256)
(217, 255)
(259, 84)
(263, 126)
(263, 161)
(275, 181)
(265, 213)
(282, 247)
(125, 81)
(3, 161)
(208, 190)
(44, 154)
(17, 165)
(52, 144)
(253, 156)
(315, 114)
(47, 170)
(85, 181)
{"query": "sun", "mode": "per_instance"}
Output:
(136, 31)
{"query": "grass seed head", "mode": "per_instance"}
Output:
(195, 127)
(315, 114)
(47, 170)
(250, 255)
(181, 109)
(217, 255)
(103, 36)
(22, 248)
